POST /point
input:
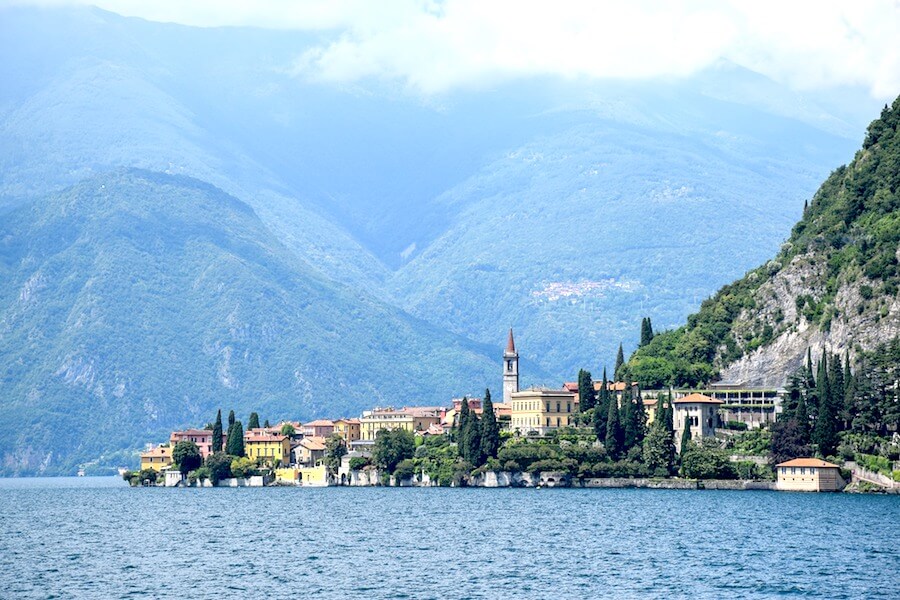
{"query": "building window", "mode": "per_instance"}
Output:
(557, 407)
(568, 407)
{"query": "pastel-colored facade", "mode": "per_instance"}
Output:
(413, 419)
(808, 475)
(502, 412)
(541, 410)
(318, 428)
(755, 406)
(702, 413)
(268, 446)
(313, 476)
(201, 437)
(309, 451)
(158, 458)
(349, 429)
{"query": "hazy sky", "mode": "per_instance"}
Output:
(437, 46)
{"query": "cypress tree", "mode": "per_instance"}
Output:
(236, 439)
(230, 419)
(825, 434)
(253, 422)
(472, 439)
(601, 409)
(801, 415)
(646, 331)
(620, 360)
(629, 420)
(461, 426)
(266, 424)
(217, 433)
(686, 435)
(614, 433)
(586, 399)
(670, 413)
(490, 429)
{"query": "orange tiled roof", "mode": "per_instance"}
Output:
(263, 435)
(807, 462)
(163, 451)
(696, 398)
(313, 443)
(320, 423)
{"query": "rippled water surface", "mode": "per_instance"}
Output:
(97, 538)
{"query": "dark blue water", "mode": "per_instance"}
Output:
(97, 538)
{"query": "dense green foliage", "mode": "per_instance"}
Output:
(219, 465)
(706, 460)
(253, 421)
(392, 446)
(852, 223)
(217, 433)
(490, 429)
(335, 449)
(235, 443)
(186, 455)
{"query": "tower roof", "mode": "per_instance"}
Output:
(511, 344)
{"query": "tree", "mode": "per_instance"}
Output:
(217, 433)
(287, 429)
(646, 331)
(586, 398)
(472, 440)
(620, 360)
(825, 434)
(335, 449)
(801, 416)
(242, 467)
(253, 422)
(601, 409)
(659, 447)
(266, 424)
(614, 434)
(235, 442)
(230, 419)
(186, 455)
(686, 435)
(219, 465)
(707, 461)
(391, 446)
(461, 423)
(787, 441)
(490, 429)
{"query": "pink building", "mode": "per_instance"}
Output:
(319, 428)
(201, 437)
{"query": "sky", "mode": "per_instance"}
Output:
(435, 47)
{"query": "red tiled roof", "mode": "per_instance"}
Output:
(263, 435)
(570, 386)
(163, 451)
(192, 432)
(696, 398)
(320, 423)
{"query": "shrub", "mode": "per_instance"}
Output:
(358, 463)
(405, 469)
(736, 425)
(242, 467)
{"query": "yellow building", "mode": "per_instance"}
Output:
(267, 445)
(412, 419)
(809, 475)
(316, 476)
(158, 458)
(349, 429)
(540, 410)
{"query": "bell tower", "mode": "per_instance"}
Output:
(510, 369)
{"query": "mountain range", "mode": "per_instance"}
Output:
(363, 244)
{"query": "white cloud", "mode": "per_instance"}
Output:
(436, 46)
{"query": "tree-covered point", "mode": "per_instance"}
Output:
(186, 455)
(852, 223)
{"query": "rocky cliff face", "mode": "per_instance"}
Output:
(857, 323)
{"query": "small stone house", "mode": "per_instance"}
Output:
(809, 475)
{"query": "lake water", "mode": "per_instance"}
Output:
(97, 538)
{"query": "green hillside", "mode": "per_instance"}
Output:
(137, 302)
(834, 283)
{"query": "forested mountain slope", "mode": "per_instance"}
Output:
(833, 285)
(137, 302)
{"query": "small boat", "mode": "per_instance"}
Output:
(81, 472)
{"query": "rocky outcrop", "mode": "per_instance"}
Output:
(850, 323)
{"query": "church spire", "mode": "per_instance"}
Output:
(510, 369)
(511, 344)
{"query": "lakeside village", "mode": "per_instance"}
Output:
(587, 433)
